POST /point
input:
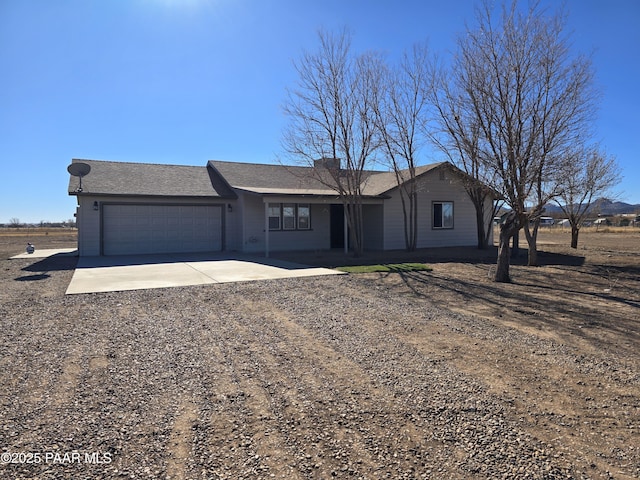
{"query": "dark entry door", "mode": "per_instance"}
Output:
(337, 226)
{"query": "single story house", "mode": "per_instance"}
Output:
(138, 208)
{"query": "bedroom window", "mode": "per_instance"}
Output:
(442, 215)
(289, 216)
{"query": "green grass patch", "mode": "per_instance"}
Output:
(387, 268)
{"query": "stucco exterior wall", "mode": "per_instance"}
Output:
(436, 186)
(252, 224)
(244, 221)
(89, 220)
(253, 230)
(373, 227)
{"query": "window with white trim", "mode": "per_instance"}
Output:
(442, 215)
(304, 216)
(289, 216)
(274, 216)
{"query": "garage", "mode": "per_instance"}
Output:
(133, 229)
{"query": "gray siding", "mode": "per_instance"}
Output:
(253, 230)
(88, 226)
(90, 223)
(432, 188)
(252, 224)
(373, 227)
(244, 225)
(233, 226)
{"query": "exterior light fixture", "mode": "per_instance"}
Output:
(229, 208)
(96, 205)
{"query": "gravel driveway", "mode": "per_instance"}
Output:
(323, 377)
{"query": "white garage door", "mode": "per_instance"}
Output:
(139, 229)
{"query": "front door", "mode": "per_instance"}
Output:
(337, 226)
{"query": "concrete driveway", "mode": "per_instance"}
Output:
(119, 273)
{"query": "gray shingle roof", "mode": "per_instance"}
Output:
(124, 178)
(217, 179)
(380, 183)
(263, 178)
(284, 179)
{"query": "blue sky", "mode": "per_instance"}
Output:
(185, 81)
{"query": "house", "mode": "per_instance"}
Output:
(602, 221)
(138, 208)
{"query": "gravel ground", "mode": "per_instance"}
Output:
(325, 377)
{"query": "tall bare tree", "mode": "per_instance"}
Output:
(401, 109)
(530, 101)
(459, 136)
(587, 175)
(332, 122)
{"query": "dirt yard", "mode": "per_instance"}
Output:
(440, 374)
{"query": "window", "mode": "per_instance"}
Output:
(304, 215)
(289, 216)
(274, 216)
(442, 214)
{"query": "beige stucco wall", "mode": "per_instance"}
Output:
(373, 227)
(244, 225)
(433, 188)
(89, 220)
(253, 227)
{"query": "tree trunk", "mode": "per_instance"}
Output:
(482, 238)
(489, 227)
(478, 198)
(502, 268)
(508, 229)
(533, 256)
(574, 236)
(414, 220)
(515, 249)
(532, 241)
(410, 216)
(354, 220)
(406, 216)
(359, 245)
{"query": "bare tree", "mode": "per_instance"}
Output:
(588, 174)
(15, 222)
(400, 116)
(332, 122)
(459, 136)
(530, 101)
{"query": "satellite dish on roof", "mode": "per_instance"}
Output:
(79, 170)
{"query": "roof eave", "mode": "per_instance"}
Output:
(149, 195)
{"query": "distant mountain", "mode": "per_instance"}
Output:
(601, 206)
